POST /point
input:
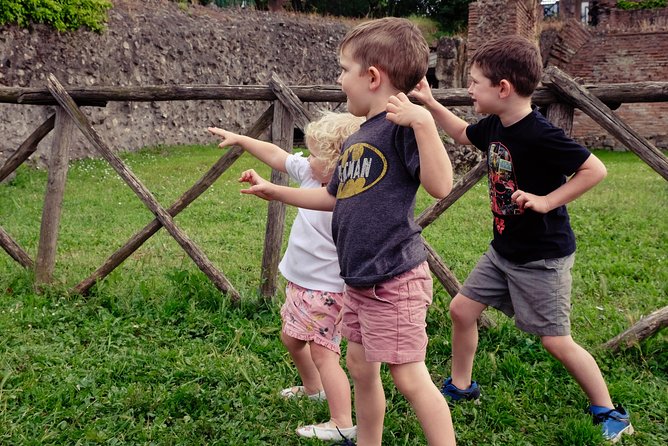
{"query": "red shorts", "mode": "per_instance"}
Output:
(389, 319)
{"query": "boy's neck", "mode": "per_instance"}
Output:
(379, 100)
(515, 110)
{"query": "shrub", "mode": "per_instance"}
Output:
(63, 15)
(641, 4)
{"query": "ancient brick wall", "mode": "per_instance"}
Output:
(624, 57)
(491, 18)
(626, 46)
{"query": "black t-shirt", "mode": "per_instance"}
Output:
(536, 157)
(375, 183)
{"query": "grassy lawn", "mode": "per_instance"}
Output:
(156, 355)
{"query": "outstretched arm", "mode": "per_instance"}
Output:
(435, 165)
(590, 173)
(268, 153)
(453, 125)
(317, 199)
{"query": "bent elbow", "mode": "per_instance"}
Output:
(441, 192)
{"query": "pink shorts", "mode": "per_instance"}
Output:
(389, 319)
(310, 315)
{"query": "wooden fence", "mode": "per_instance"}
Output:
(559, 94)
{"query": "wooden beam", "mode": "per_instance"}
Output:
(600, 113)
(615, 93)
(14, 250)
(641, 330)
(561, 115)
(139, 189)
(188, 197)
(282, 130)
(27, 148)
(290, 101)
(53, 200)
(469, 180)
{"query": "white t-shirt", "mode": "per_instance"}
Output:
(310, 260)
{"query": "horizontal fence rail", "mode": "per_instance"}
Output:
(610, 94)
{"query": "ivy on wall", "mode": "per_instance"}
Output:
(641, 4)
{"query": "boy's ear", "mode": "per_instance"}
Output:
(374, 77)
(505, 88)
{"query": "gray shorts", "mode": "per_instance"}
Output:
(537, 293)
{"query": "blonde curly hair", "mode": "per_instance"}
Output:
(327, 134)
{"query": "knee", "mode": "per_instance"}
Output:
(557, 346)
(323, 356)
(404, 384)
(461, 312)
(354, 367)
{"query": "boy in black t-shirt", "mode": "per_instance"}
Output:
(526, 272)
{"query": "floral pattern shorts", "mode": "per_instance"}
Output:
(310, 315)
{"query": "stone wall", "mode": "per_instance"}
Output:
(156, 42)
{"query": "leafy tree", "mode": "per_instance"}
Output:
(64, 15)
(451, 15)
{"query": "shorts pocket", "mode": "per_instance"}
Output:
(419, 299)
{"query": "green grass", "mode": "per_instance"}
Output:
(156, 355)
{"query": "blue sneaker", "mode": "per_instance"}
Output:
(614, 422)
(455, 393)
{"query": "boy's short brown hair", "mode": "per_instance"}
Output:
(391, 44)
(513, 58)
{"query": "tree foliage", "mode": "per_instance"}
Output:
(451, 15)
(64, 15)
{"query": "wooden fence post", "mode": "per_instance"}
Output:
(55, 188)
(561, 115)
(282, 130)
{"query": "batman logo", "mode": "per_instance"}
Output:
(361, 167)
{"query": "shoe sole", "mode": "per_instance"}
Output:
(628, 430)
(327, 434)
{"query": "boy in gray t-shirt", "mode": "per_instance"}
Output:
(388, 284)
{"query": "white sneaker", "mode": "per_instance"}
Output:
(299, 391)
(327, 431)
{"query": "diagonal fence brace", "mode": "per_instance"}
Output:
(200, 259)
(188, 197)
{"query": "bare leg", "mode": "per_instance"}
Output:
(369, 396)
(335, 383)
(582, 366)
(464, 313)
(300, 351)
(414, 382)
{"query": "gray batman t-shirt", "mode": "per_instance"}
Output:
(375, 183)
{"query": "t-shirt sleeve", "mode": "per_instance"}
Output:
(565, 154)
(333, 184)
(407, 149)
(297, 167)
(475, 133)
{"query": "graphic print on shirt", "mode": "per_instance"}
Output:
(362, 166)
(502, 184)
